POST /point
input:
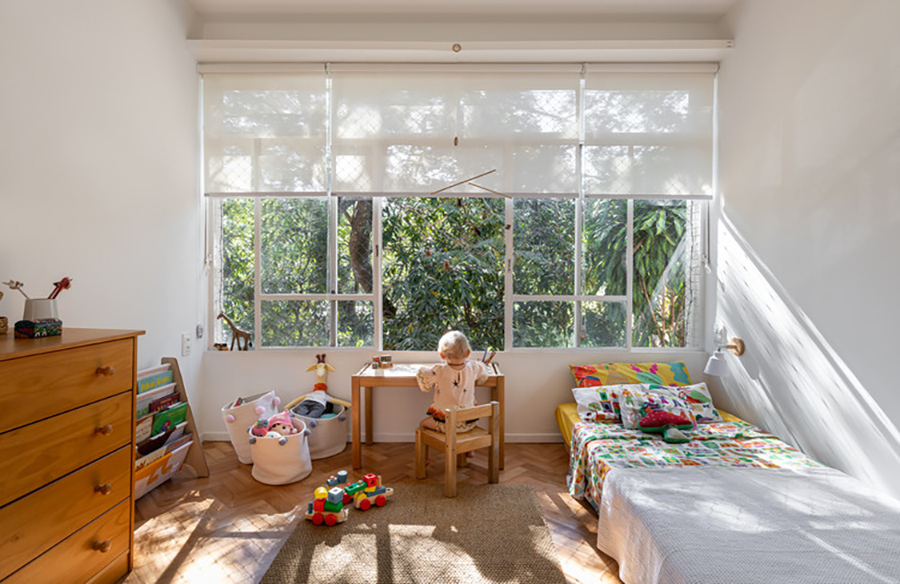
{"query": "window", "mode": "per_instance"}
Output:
(533, 206)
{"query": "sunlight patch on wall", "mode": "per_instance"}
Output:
(790, 381)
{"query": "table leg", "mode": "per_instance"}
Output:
(370, 429)
(501, 399)
(357, 448)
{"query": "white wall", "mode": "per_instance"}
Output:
(536, 382)
(98, 166)
(807, 252)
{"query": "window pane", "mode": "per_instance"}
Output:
(442, 269)
(237, 266)
(543, 324)
(294, 246)
(354, 245)
(296, 323)
(660, 266)
(605, 248)
(356, 324)
(544, 243)
(603, 324)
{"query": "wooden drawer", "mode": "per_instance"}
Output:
(75, 559)
(40, 386)
(65, 506)
(33, 456)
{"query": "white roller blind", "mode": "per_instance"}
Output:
(265, 133)
(417, 131)
(648, 133)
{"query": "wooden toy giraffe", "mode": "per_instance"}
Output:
(237, 335)
(321, 368)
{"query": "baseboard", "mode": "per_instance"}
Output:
(550, 438)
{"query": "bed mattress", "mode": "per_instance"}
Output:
(717, 525)
(598, 448)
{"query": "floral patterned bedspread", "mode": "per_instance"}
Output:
(598, 448)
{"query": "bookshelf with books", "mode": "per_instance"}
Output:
(165, 435)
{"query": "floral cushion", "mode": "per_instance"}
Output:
(698, 398)
(637, 403)
(675, 373)
(601, 402)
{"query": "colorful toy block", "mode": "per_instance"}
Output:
(335, 495)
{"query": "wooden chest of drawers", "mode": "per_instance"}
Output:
(67, 456)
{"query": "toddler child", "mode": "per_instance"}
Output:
(453, 381)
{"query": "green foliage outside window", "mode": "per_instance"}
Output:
(443, 268)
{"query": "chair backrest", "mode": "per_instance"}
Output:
(488, 410)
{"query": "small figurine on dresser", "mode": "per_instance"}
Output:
(4, 322)
(41, 318)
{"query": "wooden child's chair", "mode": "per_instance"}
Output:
(455, 443)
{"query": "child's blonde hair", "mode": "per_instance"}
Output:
(454, 345)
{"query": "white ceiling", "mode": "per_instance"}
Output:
(659, 10)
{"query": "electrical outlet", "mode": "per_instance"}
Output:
(185, 344)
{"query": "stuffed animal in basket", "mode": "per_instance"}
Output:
(278, 426)
(282, 424)
(317, 403)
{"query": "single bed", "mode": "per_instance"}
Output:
(734, 504)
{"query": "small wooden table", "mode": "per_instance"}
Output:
(404, 375)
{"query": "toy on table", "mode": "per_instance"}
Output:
(242, 337)
(382, 362)
(668, 424)
(318, 404)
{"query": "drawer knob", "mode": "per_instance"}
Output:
(104, 430)
(105, 371)
(102, 546)
(103, 489)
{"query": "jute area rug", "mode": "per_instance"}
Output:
(488, 533)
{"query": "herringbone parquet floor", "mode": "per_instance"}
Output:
(228, 527)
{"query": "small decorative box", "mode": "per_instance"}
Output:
(39, 327)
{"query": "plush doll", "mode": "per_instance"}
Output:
(668, 424)
(317, 403)
(281, 424)
(260, 427)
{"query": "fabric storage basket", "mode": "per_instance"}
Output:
(239, 419)
(279, 461)
(327, 436)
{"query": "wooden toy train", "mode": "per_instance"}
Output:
(331, 505)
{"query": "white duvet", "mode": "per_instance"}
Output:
(747, 525)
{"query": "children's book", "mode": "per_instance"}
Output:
(169, 418)
(176, 444)
(152, 378)
(143, 428)
(164, 402)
